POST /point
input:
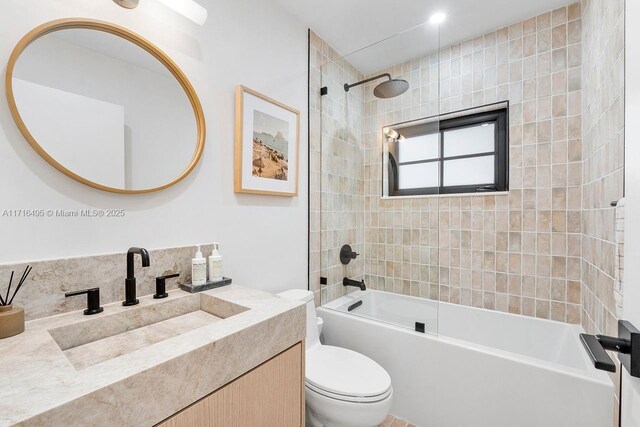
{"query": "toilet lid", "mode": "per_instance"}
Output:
(344, 372)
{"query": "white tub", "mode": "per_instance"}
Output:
(484, 368)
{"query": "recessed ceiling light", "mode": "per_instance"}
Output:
(437, 18)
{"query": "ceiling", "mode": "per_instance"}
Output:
(350, 25)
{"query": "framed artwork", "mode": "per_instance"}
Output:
(267, 144)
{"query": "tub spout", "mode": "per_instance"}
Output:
(349, 282)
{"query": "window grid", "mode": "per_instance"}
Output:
(499, 118)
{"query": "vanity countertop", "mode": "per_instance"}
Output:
(127, 385)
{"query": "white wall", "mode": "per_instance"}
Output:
(263, 239)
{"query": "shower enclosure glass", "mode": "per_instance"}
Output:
(375, 174)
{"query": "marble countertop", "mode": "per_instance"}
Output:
(141, 385)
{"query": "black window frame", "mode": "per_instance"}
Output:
(500, 118)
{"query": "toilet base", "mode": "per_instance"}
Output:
(322, 411)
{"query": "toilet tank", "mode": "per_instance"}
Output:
(305, 296)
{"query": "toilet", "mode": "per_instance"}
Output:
(343, 388)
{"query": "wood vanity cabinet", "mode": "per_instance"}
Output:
(271, 394)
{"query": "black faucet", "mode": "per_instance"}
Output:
(130, 281)
(349, 282)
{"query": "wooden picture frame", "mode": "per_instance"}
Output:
(267, 145)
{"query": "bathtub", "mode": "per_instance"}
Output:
(483, 368)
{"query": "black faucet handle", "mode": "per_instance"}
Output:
(93, 300)
(347, 254)
(161, 287)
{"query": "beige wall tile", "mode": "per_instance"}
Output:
(523, 252)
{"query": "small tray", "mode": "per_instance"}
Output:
(191, 288)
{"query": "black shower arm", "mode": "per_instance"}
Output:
(370, 79)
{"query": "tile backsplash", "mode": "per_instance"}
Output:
(42, 294)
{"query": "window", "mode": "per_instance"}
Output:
(465, 154)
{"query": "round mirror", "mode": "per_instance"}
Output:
(105, 106)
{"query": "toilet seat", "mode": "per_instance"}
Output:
(349, 399)
(345, 375)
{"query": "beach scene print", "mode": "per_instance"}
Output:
(270, 147)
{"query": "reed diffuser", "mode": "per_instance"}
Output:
(12, 318)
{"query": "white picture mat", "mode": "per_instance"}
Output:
(250, 103)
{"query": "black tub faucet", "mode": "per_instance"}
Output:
(130, 281)
(349, 282)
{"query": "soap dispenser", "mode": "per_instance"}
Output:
(199, 269)
(215, 263)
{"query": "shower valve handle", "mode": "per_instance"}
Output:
(347, 254)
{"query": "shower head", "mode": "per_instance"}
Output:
(389, 89)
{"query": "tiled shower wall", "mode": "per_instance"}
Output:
(518, 252)
(336, 171)
(603, 124)
(546, 248)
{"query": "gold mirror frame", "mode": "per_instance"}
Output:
(91, 24)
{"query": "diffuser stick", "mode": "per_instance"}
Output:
(9, 288)
(22, 280)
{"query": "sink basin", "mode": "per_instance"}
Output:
(121, 330)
